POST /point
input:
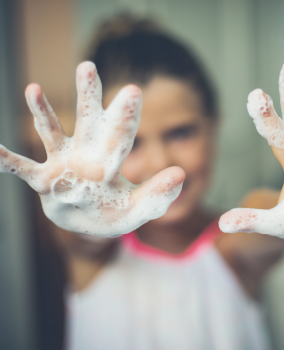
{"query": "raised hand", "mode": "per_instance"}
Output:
(80, 185)
(271, 127)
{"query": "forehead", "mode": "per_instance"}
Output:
(167, 103)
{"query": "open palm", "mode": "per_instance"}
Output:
(271, 127)
(80, 185)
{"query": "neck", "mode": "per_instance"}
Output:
(177, 237)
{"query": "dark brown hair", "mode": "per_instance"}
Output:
(132, 50)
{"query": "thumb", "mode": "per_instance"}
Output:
(164, 183)
(268, 222)
(153, 198)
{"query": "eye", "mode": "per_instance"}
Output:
(181, 133)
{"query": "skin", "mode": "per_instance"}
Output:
(175, 131)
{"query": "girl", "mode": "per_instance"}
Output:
(175, 282)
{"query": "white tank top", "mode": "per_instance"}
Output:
(149, 300)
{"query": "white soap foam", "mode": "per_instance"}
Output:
(101, 209)
(89, 194)
(268, 124)
(268, 222)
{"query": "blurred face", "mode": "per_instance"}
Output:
(173, 131)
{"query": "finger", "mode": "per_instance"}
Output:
(254, 220)
(150, 200)
(89, 102)
(281, 90)
(166, 185)
(24, 168)
(123, 119)
(89, 89)
(268, 124)
(46, 122)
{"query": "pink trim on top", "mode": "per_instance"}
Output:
(133, 244)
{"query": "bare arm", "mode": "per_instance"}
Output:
(250, 255)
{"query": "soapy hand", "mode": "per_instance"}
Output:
(80, 185)
(271, 127)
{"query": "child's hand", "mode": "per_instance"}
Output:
(271, 127)
(81, 185)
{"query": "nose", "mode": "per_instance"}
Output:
(157, 158)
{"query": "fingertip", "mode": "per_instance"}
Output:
(33, 91)
(254, 94)
(128, 101)
(257, 95)
(238, 220)
(86, 69)
(172, 178)
(87, 79)
(132, 89)
(224, 222)
(131, 92)
(260, 105)
(178, 174)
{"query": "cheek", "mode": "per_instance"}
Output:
(195, 156)
(133, 169)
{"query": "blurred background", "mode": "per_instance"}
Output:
(241, 42)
